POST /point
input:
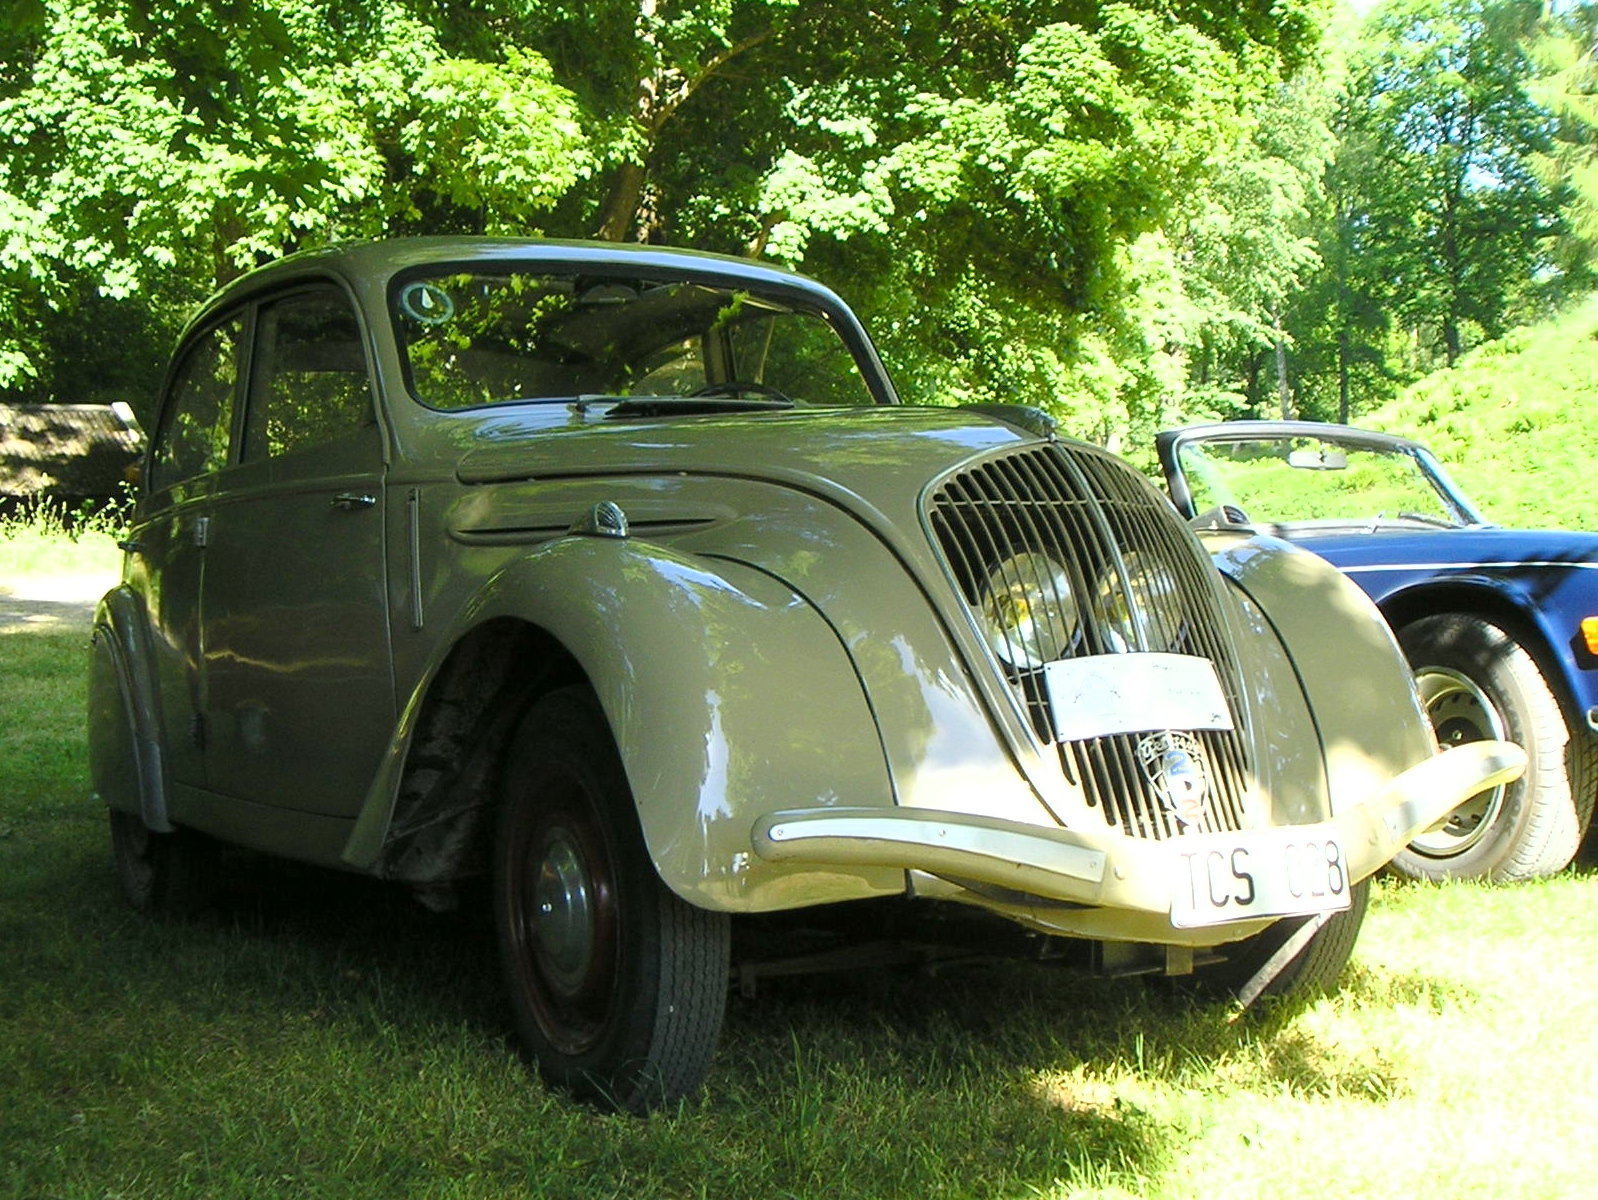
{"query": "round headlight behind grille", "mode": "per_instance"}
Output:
(1150, 601)
(1027, 610)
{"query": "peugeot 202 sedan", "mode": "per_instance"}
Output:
(1500, 625)
(620, 578)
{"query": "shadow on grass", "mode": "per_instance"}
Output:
(306, 988)
(322, 1034)
(323, 996)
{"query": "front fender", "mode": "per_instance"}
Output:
(728, 695)
(1362, 699)
(1550, 604)
(126, 767)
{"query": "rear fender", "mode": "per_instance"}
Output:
(126, 765)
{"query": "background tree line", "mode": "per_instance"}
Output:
(1129, 212)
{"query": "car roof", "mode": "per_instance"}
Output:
(387, 258)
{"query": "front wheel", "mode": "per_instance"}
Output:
(618, 987)
(1294, 957)
(1478, 682)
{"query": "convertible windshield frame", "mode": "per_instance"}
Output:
(1179, 452)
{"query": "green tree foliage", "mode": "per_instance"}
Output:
(1103, 207)
(1013, 194)
(158, 147)
(1339, 322)
(1436, 230)
(1565, 54)
(1250, 229)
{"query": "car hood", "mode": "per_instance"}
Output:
(1474, 547)
(871, 457)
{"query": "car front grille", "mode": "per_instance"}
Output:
(1090, 513)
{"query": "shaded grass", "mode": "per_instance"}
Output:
(318, 1035)
(39, 537)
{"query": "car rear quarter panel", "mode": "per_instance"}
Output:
(126, 767)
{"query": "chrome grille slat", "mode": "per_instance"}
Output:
(1090, 513)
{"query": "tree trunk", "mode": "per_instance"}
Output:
(621, 203)
(1283, 392)
(1342, 376)
(1451, 341)
(661, 92)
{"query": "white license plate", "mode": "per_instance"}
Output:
(1270, 873)
(1100, 695)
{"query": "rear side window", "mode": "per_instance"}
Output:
(198, 419)
(309, 383)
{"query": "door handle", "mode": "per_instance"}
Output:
(350, 501)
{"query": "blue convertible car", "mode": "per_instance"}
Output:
(1500, 625)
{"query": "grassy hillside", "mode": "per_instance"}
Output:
(1511, 421)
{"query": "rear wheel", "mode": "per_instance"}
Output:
(168, 873)
(618, 987)
(1478, 682)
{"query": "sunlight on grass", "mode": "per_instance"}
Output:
(45, 553)
(319, 1035)
(1509, 421)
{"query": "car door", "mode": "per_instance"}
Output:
(188, 461)
(298, 687)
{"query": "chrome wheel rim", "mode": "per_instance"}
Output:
(1460, 713)
(564, 921)
(563, 916)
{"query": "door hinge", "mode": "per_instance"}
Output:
(200, 531)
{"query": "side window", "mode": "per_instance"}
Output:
(800, 355)
(674, 370)
(309, 384)
(198, 419)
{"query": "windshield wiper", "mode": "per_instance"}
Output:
(677, 406)
(1439, 522)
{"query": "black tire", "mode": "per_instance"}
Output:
(1478, 682)
(1321, 950)
(618, 987)
(1581, 764)
(167, 874)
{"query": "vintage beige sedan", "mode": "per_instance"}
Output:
(621, 577)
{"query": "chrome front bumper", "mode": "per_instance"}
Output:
(1108, 871)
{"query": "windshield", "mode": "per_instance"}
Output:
(476, 339)
(1312, 481)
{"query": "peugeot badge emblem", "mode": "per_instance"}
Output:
(1174, 765)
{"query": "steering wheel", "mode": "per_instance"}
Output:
(739, 387)
(1220, 517)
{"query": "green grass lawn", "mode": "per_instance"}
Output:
(324, 1037)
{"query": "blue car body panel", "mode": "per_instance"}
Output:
(1547, 579)
(1543, 581)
